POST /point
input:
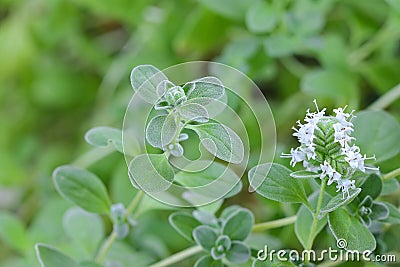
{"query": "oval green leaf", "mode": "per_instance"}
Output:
(103, 136)
(82, 187)
(48, 256)
(184, 224)
(338, 201)
(238, 225)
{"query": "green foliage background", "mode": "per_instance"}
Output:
(65, 64)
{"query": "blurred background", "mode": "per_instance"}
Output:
(65, 64)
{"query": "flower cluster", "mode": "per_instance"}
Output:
(326, 147)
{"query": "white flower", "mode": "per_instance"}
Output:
(296, 155)
(327, 170)
(345, 185)
(343, 117)
(310, 167)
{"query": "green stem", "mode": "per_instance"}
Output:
(388, 98)
(375, 42)
(391, 174)
(315, 219)
(111, 239)
(177, 257)
(274, 224)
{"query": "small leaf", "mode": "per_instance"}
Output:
(261, 17)
(207, 261)
(206, 90)
(144, 81)
(12, 232)
(233, 9)
(394, 214)
(277, 184)
(221, 141)
(193, 112)
(338, 201)
(372, 186)
(205, 236)
(151, 172)
(229, 211)
(280, 45)
(377, 133)
(239, 252)
(85, 229)
(304, 175)
(51, 257)
(82, 188)
(239, 224)
(184, 224)
(389, 186)
(103, 136)
(205, 217)
(379, 211)
(161, 130)
(356, 235)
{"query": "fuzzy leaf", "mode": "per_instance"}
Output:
(338, 201)
(193, 112)
(277, 183)
(161, 130)
(304, 175)
(381, 140)
(380, 211)
(144, 81)
(372, 186)
(103, 136)
(151, 172)
(82, 187)
(221, 141)
(344, 226)
(206, 90)
(207, 261)
(184, 224)
(261, 17)
(205, 236)
(238, 225)
(51, 257)
(394, 214)
(239, 252)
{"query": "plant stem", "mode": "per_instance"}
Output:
(181, 255)
(385, 32)
(388, 98)
(391, 174)
(111, 239)
(315, 219)
(274, 224)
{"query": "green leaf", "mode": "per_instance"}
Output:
(356, 235)
(277, 184)
(338, 201)
(51, 257)
(239, 252)
(302, 226)
(161, 130)
(205, 217)
(12, 232)
(389, 186)
(238, 225)
(304, 175)
(261, 17)
(206, 89)
(82, 188)
(152, 172)
(334, 84)
(233, 9)
(217, 176)
(377, 133)
(221, 141)
(205, 236)
(103, 136)
(90, 264)
(379, 211)
(184, 224)
(193, 112)
(394, 214)
(207, 261)
(144, 81)
(280, 45)
(85, 229)
(372, 186)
